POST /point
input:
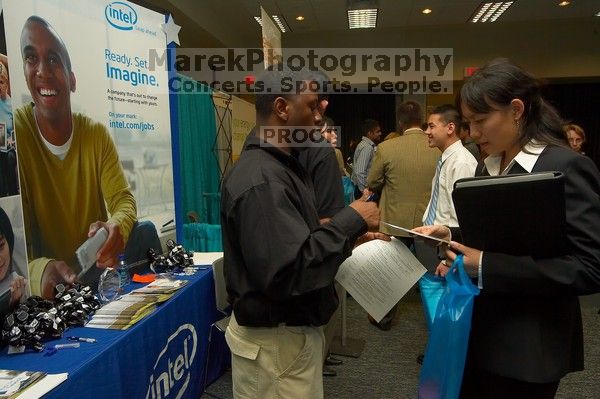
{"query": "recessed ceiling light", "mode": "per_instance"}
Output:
(365, 18)
(426, 11)
(564, 3)
(490, 11)
(299, 18)
(277, 20)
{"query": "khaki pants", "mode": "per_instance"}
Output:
(333, 325)
(278, 362)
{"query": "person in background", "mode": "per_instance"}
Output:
(321, 162)
(12, 285)
(576, 137)
(363, 155)
(467, 141)
(526, 331)
(391, 135)
(329, 132)
(455, 162)
(401, 174)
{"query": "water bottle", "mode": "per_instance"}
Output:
(123, 271)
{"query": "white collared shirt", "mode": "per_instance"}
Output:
(525, 160)
(457, 163)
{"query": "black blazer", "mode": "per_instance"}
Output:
(527, 321)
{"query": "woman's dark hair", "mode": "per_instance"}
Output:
(497, 84)
(6, 230)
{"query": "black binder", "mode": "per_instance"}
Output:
(521, 214)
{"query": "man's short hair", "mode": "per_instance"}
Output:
(409, 114)
(276, 80)
(448, 113)
(39, 20)
(368, 125)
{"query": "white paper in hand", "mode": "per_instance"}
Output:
(378, 274)
(87, 252)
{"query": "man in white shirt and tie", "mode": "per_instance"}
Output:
(456, 162)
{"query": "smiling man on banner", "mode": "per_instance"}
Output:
(71, 178)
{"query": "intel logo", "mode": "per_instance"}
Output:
(171, 374)
(120, 15)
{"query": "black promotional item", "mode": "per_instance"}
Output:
(521, 214)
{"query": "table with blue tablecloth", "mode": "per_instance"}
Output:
(162, 356)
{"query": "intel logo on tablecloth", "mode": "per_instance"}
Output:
(171, 374)
(120, 15)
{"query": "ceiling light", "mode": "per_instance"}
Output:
(358, 19)
(564, 3)
(490, 11)
(597, 14)
(426, 11)
(362, 13)
(279, 21)
(299, 18)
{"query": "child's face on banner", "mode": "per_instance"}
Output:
(45, 65)
(4, 257)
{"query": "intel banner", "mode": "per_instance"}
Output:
(105, 80)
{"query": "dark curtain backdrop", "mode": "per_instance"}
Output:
(578, 103)
(349, 110)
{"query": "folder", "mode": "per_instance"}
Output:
(521, 214)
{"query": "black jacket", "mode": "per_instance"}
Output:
(527, 321)
(279, 262)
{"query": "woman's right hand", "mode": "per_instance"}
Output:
(442, 269)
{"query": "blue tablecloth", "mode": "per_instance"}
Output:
(162, 356)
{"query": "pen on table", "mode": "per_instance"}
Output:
(53, 349)
(83, 339)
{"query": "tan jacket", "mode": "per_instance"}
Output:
(402, 171)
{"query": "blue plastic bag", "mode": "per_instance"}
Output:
(348, 190)
(444, 363)
(432, 288)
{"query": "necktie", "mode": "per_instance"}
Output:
(434, 195)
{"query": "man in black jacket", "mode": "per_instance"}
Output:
(280, 262)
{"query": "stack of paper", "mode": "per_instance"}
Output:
(27, 384)
(133, 307)
(162, 286)
(125, 312)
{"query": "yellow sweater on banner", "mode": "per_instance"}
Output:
(61, 198)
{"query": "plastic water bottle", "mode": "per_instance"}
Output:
(123, 271)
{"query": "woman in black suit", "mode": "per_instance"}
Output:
(526, 331)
